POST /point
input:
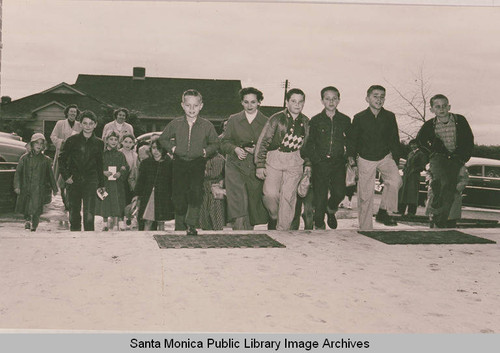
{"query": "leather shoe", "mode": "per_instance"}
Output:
(332, 221)
(271, 225)
(384, 218)
(320, 225)
(192, 231)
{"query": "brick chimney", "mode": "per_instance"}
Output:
(139, 73)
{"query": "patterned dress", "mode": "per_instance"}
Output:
(212, 211)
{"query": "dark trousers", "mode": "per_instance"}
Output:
(33, 219)
(187, 194)
(307, 215)
(85, 193)
(444, 178)
(412, 208)
(328, 175)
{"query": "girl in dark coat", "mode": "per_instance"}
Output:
(154, 188)
(33, 182)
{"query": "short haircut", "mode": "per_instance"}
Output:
(155, 141)
(66, 110)
(127, 135)
(374, 88)
(111, 133)
(329, 88)
(88, 114)
(125, 110)
(193, 93)
(439, 96)
(293, 91)
(251, 90)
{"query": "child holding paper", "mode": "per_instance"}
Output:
(115, 170)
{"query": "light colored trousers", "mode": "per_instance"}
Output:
(366, 187)
(283, 173)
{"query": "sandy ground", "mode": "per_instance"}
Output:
(322, 282)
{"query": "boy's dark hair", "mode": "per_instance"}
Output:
(439, 96)
(155, 141)
(251, 90)
(375, 88)
(111, 133)
(125, 110)
(329, 88)
(293, 91)
(87, 114)
(193, 93)
(127, 135)
(66, 110)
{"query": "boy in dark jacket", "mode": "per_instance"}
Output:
(449, 141)
(81, 166)
(326, 149)
(190, 139)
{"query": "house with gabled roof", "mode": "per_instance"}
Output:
(42, 110)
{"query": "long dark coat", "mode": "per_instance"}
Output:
(408, 194)
(243, 188)
(35, 178)
(158, 175)
(114, 204)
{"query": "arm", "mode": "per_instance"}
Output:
(100, 163)
(50, 175)
(167, 137)
(18, 175)
(227, 145)
(352, 141)
(265, 139)
(396, 149)
(64, 159)
(54, 136)
(467, 144)
(212, 142)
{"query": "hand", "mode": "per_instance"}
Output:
(308, 171)
(69, 180)
(260, 173)
(102, 190)
(107, 173)
(117, 175)
(250, 150)
(241, 153)
(351, 161)
(17, 191)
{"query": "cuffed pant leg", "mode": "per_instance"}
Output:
(336, 185)
(392, 182)
(75, 206)
(366, 185)
(320, 181)
(89, 202)
(288, 196)
(271, 190)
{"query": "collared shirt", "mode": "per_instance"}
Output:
(371, 137)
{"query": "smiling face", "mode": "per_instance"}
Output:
(155, 151)
(88, 125)
(192, 106)
(120, 117)
(250, 103)
(112, 141)
(376, 99)
(330, 101)
(295, 104)
(72, 113)
(37, 146)
(128, 143)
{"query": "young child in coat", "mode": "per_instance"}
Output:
(33, 182)
(128, 142)
(115, 170)
(154, 189)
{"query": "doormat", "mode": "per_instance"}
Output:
(214, 241)
(461, 223)
(425, 237)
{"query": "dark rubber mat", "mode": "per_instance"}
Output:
(425, 237)
(209, 241)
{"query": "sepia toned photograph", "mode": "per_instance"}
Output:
(249, 167)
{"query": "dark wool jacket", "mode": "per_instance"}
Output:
(272, 135)
(81, 159)
(431, 144)
(189, 147)
(327, 139)
(372, 138)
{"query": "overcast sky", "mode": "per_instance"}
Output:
(312, 45)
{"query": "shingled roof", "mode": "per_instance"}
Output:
(25, 107)
(160, 97)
